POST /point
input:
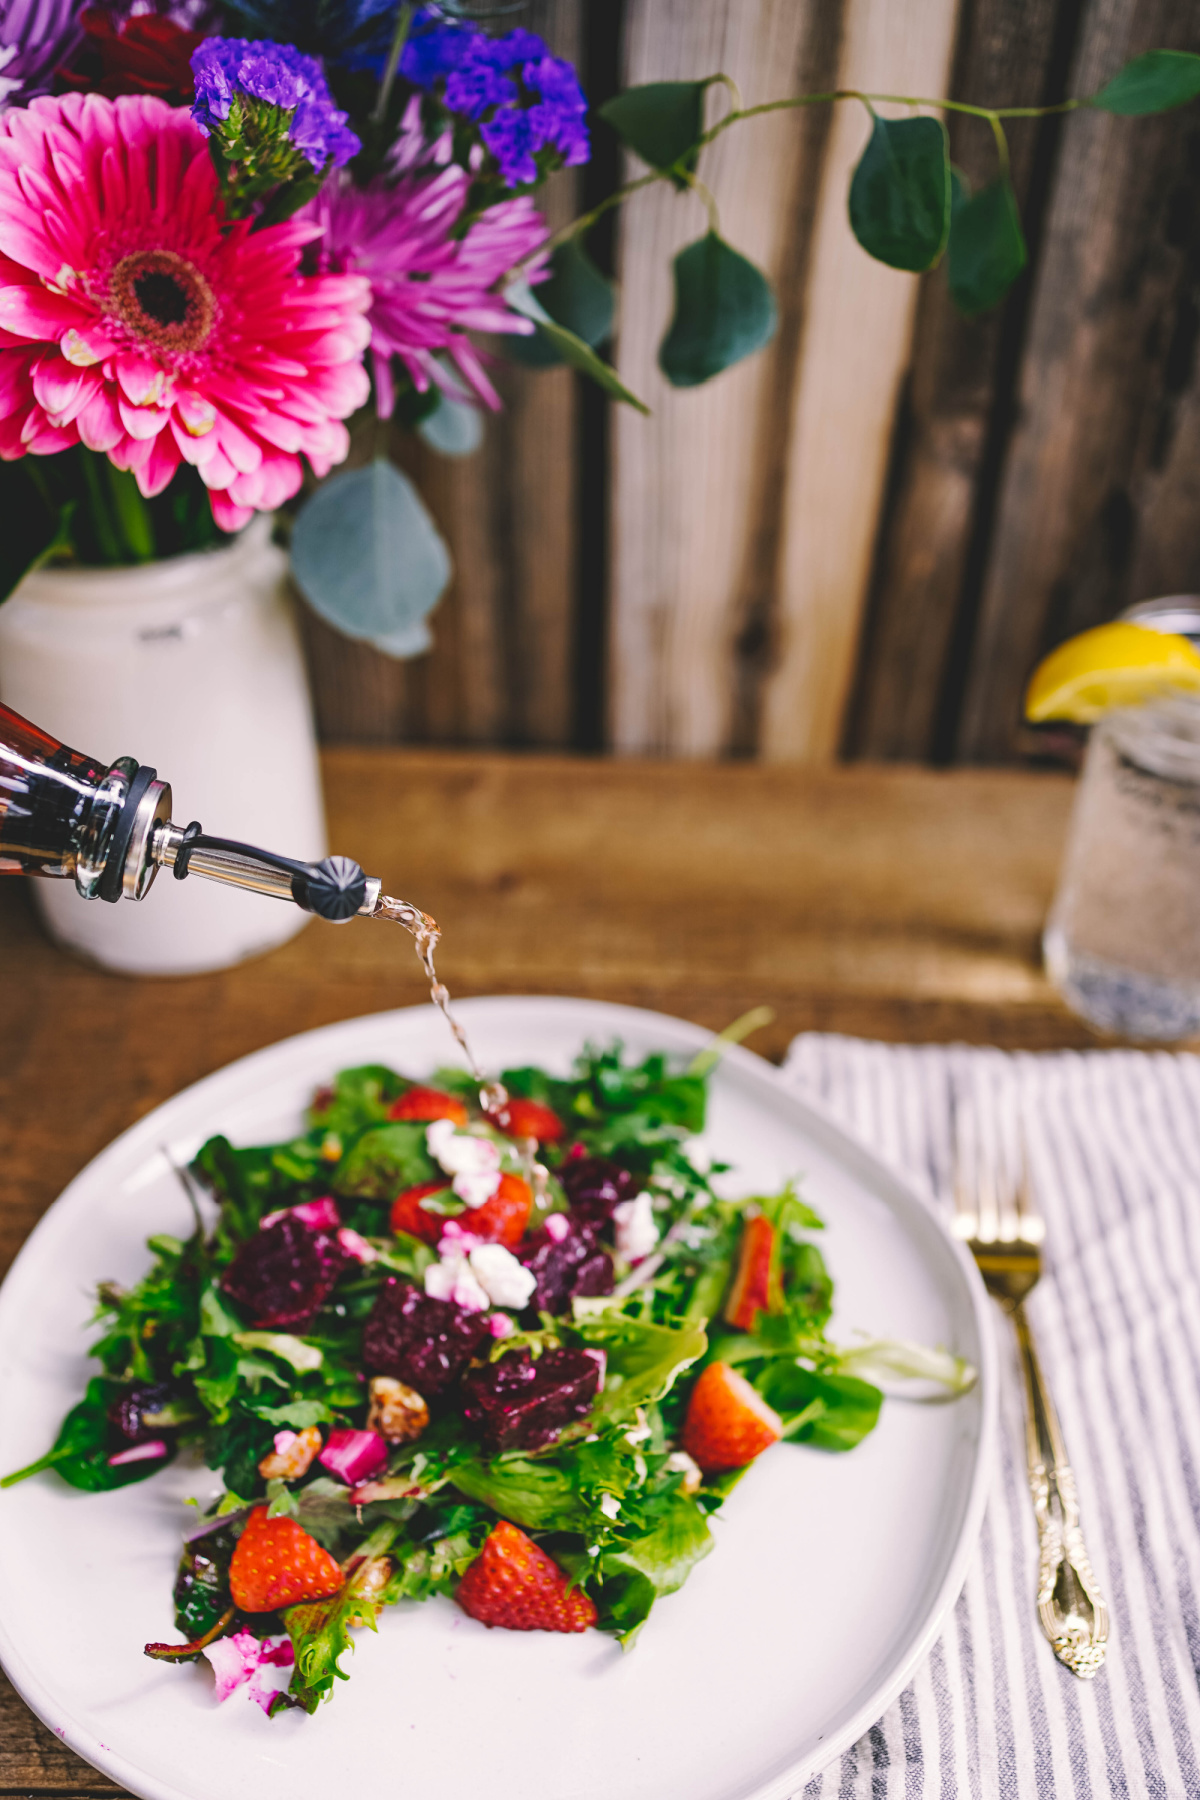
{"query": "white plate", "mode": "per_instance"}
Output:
(830, 1578)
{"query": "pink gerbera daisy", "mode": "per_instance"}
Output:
(136, 320)
(428, 287)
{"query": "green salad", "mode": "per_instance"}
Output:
(516, 1358)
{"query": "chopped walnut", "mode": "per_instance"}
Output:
(292, 1455)
(397, 1412)
(367, 1582)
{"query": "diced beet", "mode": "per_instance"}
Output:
(354, 1456)
(424, 1342)
(126, 1414)
(594, 1186)
(519, 1403)
(567, 1260)
(284, 1273)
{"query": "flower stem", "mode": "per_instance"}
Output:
(404, 21)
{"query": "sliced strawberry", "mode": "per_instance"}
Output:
(751, 1290)
(530, 1119)
(426, 1103)
(409, 1215)
(277, 1564)
(514, 1584)
(503, 1218)
(500, 1220)
(728, 1424)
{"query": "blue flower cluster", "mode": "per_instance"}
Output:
(281, 76)
(522, 99)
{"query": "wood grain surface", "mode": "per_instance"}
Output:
(887, 902)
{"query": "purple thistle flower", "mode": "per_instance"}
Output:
(521, 98)
(35, 36)
(281, 76)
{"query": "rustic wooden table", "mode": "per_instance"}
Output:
(882, 901)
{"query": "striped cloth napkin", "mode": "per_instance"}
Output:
(1114, 1149)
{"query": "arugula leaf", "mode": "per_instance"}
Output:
(82, 1448)
(385, 1160)
(634, 1575)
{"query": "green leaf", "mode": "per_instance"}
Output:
(293, 1350)
(834, 1412)
(320, 1634)
(1155, 82)
(662, 121)
(642, 1360)
(724, 311)
(987, 249)
(453, 427)
(635, 1575)
(82, 1448)
(299, 1414)
(369, 558)
(900, 193)
(358, 1098)
(577, 297)
(384, 1161)
(536, 1495)
(572, 349)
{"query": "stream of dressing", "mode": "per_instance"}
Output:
(493, 1095)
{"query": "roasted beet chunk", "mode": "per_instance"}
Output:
(284, 1273)
(426, 1343)
(518, 1403)
(567, 1260)
(127, 1413)
(594, 1186)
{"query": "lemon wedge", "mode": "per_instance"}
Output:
(1112, 665)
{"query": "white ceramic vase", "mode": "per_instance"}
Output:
(194, 666)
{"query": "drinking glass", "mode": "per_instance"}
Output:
(1122, 942)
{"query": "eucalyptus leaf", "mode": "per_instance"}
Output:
(578, 297)
(724, 311)
(369, 559)
(453, 428)
(900, 193)
(573, 350)
(1153, 83)
(986, 252)
(662, 121)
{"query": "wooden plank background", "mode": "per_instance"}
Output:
(860, 542)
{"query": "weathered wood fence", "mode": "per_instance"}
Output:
(859, 542)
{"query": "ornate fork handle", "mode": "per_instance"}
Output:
(1071, 1607)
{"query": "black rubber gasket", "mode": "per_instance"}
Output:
(110, 884)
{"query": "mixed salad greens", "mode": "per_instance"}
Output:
(415, 1321)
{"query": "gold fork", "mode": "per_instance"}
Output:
(996, 1217)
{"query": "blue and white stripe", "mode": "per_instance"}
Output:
(1114, 1149)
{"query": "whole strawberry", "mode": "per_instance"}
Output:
(514, 1584)
(277, 1564)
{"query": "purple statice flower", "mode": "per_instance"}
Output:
(281, 76)
(521, 98)
(35, 36)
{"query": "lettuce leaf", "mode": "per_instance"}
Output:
(633, 1576)
(643, 1360)
(82, 1448)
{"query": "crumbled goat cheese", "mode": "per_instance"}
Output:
(637, 1233)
